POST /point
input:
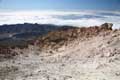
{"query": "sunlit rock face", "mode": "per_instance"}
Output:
(63, 36)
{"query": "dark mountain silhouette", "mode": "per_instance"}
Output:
(27, 27)
(19, 34)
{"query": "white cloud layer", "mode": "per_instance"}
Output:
(75, 18)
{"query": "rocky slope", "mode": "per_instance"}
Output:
(86, 54)
(64, 36)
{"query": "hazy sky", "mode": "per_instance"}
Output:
(60, 4)
(60, 12)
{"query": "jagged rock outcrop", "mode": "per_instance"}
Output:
(107, 26)
(63, 36)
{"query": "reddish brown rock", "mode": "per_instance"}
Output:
(57, 38)
(6, 53)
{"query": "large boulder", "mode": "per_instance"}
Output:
(107, 26)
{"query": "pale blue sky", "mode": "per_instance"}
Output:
(60, 4)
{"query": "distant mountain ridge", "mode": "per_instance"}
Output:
(21, 33)
(26, 27)
(18, 33)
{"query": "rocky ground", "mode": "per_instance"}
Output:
(96, 57)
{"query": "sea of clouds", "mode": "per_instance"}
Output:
(74, 18)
